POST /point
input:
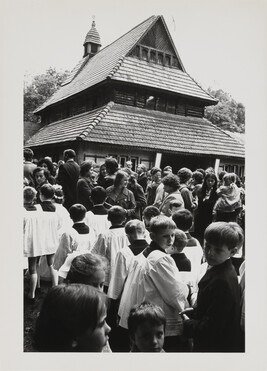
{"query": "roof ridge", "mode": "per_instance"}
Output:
(96, 120)
(213, 98)
(116, 68)
(128, 32)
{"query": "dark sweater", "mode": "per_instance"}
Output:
(182, 262)
(216, 323)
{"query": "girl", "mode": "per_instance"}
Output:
(72, 319)
(119, 194)
(85, 185)
(102, 175)
(207, 197)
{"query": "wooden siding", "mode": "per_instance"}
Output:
(157, 38)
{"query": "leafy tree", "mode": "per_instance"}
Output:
(227, 114)
(39, 90)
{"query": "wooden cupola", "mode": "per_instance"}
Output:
(92, 42)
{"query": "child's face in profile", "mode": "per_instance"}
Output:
(216, 255)
(149, 337)
(94, 340)
(164, 237)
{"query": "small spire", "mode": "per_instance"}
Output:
(92, 41)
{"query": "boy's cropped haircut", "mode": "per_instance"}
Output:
(84, 266)
(98, 195)
(116, 215)
(29, 194)
(70, 153)
(150, 212)
(145, 313)
(183, 219)
(134, 225)
(47, 190)
(222, 233)
(161, 222)
(77, 212)
(180, 240)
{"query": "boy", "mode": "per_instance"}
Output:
(46, 194)
(111, 241)
(148, 214)
(146, 324)
(29, 197)
(76, 238)
(97, 218)
(184, 220)
(215, 326)
(153, 276)
(176, 251)
(135, 231)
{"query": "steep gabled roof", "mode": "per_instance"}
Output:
(134, 127)
(108, 62)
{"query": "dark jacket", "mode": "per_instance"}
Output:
(215, 326)
(83, 192)
(68, 175)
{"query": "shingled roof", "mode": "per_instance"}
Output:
(112, 62)
(141, 128)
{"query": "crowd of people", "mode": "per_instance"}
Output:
(145, 261)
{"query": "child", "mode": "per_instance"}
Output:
(157, 280)
(215, 326)
(76, 238)
(97, 218)
(88, 269)
(29, 198)
(146, 324)
(63, 214)
(148, 214)
(72, 319)
(40, 235)
(229, 199)
(111, 241)
(46, 194)
(183, 220)
(176, 251)
(135, 231)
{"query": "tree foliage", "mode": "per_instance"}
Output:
(227, 114)
(39, 90)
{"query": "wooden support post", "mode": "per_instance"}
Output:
(158, 159)
(216, 166)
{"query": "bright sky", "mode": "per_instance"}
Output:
(211, 37)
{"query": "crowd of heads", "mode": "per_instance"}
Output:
(72, 316)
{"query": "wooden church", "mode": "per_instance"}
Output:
(134, 100)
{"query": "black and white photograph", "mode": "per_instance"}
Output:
(139, 129)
